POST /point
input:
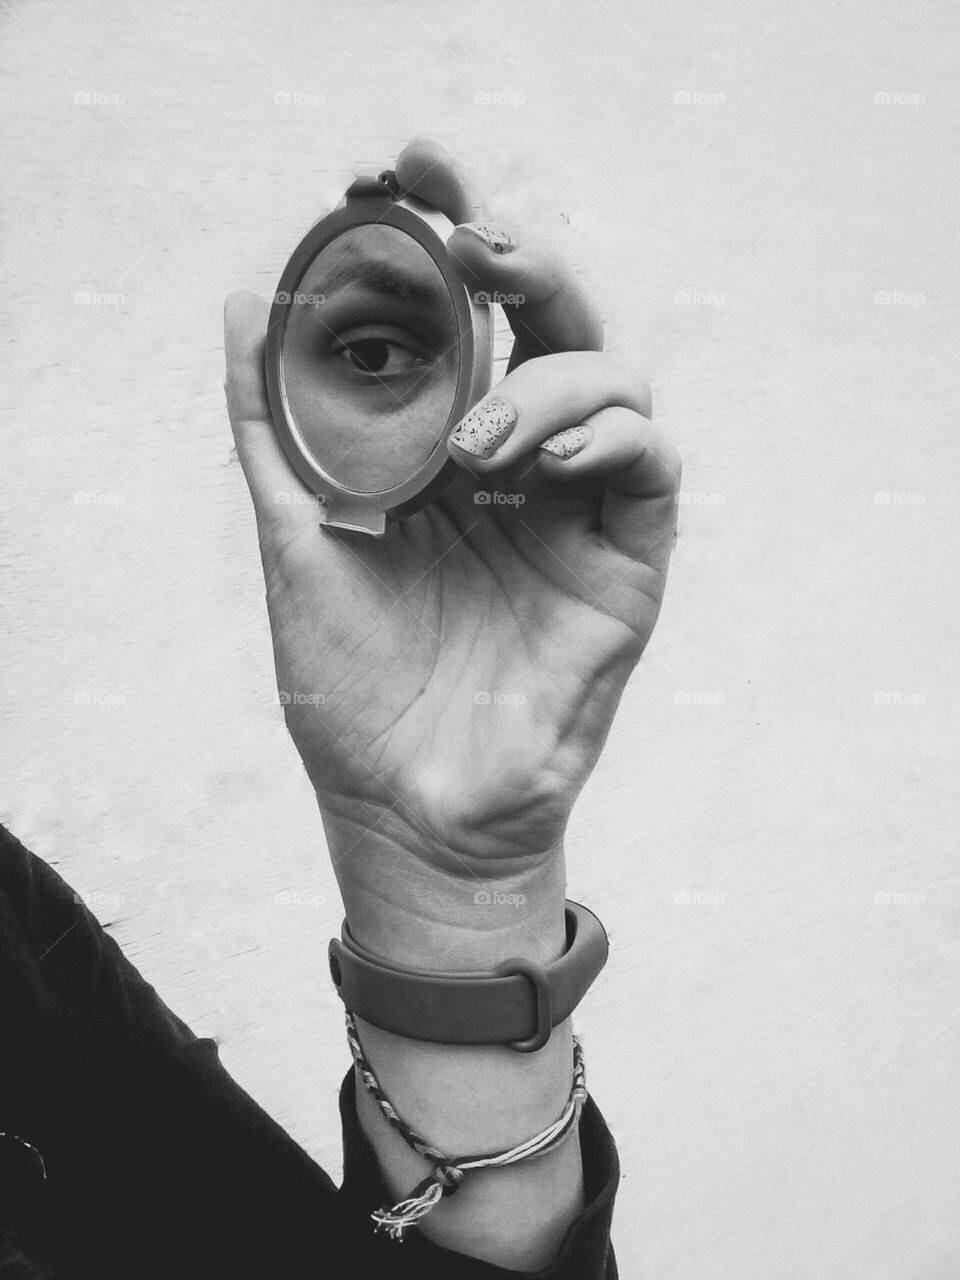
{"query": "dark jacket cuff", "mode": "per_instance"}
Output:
(585, 1254)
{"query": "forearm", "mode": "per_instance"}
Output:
(465, 1099)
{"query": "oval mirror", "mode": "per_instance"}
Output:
(375, 350)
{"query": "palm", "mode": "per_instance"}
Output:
(411, 635)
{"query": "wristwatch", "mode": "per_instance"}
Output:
(518, 1005)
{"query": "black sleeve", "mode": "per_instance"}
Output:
(156, 1162)
(586, 1252)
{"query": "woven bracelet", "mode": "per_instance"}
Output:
(449, 1171)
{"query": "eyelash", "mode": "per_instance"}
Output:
(343, 345)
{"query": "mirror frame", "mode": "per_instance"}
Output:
(368, 202)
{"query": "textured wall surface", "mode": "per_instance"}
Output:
(764, 197)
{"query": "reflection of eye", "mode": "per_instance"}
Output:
(378, 356)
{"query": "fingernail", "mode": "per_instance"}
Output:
(566, 443)
(484, 428)
(494, 238)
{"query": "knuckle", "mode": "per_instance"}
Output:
(642, 393)
(673, 462)
(664, 456)
(645, 392)
(631, 385)
(607, 376)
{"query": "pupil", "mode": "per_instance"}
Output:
(370, 355)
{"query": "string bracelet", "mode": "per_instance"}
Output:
(30, 1147)
(449, 1171)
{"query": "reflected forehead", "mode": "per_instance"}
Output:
(382, 260)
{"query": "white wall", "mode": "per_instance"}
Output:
(780, 1066)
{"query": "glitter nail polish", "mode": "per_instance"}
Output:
(566, 443)
(485, 427)
(493, 237)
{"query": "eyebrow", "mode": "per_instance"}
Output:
(380, 276)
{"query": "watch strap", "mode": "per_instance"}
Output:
(518, 1005)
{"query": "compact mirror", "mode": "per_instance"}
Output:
(375, 350)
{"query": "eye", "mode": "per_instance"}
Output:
(378, 357)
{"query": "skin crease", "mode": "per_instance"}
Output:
(429, 795)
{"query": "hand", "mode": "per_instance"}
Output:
(465, 669)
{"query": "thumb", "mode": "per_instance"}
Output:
(286, 509)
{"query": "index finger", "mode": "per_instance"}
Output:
(547, 308)
(427, 170)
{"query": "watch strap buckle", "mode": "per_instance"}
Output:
(543, 997)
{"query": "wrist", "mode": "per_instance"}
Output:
(453, 913)
(467, 914)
